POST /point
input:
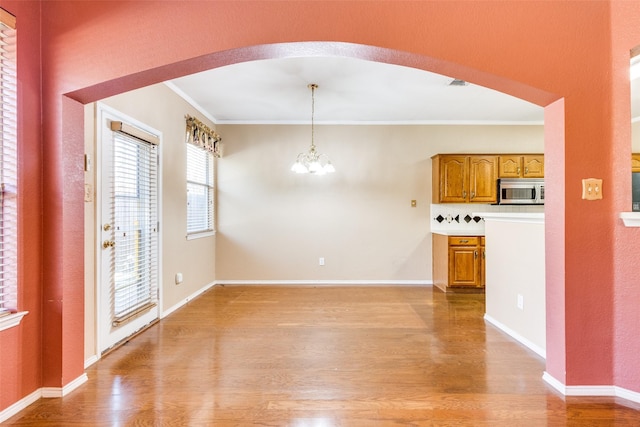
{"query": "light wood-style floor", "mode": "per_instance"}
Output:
(323, 356)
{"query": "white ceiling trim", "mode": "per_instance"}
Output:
(386, 123)
(190, 101)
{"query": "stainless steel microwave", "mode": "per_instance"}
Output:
(521, 191)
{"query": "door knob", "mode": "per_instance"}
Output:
(108, 244)
(106, 227)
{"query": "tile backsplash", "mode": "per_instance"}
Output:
(459, 217)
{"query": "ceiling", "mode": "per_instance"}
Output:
(350, 91)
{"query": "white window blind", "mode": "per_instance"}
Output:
(134, 199)
(8, 165)
(199, 190)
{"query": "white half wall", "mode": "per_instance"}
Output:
(515, 279)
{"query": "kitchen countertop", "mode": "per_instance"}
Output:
(457, 233)
(532, 217)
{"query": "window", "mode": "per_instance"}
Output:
(199, 190)
(8, 165)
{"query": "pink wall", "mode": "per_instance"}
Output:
(540, 51)
(20, 348)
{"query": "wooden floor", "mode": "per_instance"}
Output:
(323, 356)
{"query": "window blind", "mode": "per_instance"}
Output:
(134, 207)
(199, 190)
(8, 164)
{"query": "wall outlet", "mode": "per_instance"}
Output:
(321, 261)
(520, 302)
(178, 278)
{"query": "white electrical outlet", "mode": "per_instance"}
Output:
(520, 302)
(321, 261)
(178, 278)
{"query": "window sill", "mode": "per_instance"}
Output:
(200, 235)
(11, 320)
(630, 219)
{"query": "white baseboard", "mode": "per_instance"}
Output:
(90, 361)
(186, 300)
(48, 392)
(327, 282)
(591, 390)
(43, 392)
(633, 396)
(20, 405)
(516, 336)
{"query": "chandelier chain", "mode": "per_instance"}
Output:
(313, 87)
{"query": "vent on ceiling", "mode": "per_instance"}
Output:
(458, 82)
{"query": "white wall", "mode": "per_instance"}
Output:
(273, 225)
(160, 108)
(635, 137)
(515, 265)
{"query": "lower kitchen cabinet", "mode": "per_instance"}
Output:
(458, 262)
(635, 162)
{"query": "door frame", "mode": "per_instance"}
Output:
(102, 111)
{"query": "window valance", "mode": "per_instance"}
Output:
(202, 136)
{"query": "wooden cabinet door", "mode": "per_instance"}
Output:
(454, 178)
(463, 266)
(509, 166)
(635, 162)
(483, 172)
(533, 166)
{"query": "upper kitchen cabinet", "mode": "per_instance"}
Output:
(635, 162)
(521, 166)
(464, 178)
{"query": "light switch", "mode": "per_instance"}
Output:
(88, 193)
(592, 189)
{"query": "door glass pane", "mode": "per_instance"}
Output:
(135, 225)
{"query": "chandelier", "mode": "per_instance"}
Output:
(312, 161)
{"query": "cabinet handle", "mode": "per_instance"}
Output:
(518, 170)
(464, 241)
(483, 255)
(526, 170)
(464, 194)
(475, 254)
(473, 194)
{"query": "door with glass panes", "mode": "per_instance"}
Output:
(128, 235)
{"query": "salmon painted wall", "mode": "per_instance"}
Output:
(539, 51)
(20, 347)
